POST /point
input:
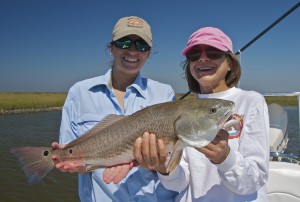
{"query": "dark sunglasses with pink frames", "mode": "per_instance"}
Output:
(210, 54)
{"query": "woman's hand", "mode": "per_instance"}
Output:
(116, 173)
(218, 149)
(71, 167)
(150, 153)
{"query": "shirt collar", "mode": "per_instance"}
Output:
(139, 84)
(221, 95)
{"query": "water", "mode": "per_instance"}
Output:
(40, 129)
(293, 129)
(34, 129)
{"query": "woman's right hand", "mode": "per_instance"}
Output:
(218, 149)
(150, 153)
(67, 166)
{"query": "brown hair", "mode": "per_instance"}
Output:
(232, 78)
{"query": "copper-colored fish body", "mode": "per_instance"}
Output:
(192, 122)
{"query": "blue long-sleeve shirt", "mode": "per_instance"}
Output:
(87, 103)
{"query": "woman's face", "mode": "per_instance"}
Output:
(209, 67)
(131, 60)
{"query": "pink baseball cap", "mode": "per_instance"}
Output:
(210, 36)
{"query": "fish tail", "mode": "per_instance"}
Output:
(35, 161)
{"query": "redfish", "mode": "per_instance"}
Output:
(191, 122)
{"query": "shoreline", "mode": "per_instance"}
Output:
(26, 111)
(50, 109)
(24, 103)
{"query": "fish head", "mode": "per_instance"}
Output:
(201, 119)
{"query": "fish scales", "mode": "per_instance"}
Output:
(121, 135)
(193, 122)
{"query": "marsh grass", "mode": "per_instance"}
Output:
(17, 101)
(285, 101)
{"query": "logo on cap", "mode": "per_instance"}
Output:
(135, 22)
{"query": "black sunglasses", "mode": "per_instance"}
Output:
(125, 43)
(211, 54)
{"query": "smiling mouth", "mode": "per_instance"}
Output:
(204, 68)
(130, 59)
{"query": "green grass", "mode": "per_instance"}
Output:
(286, 101)
(282, 100)
(15, 101)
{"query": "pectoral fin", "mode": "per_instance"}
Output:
(176, 156)
(91, 168)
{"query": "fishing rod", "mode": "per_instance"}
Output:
(257, 37)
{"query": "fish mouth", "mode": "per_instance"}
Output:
(223, 120)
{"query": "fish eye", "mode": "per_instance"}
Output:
(212, 110)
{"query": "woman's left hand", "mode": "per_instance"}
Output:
(116, 173)
(218, 149)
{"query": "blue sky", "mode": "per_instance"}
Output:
(48, 45)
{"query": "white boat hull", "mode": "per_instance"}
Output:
(278, 128)
(284, 170)
(284, 182)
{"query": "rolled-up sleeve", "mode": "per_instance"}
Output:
(68, 128)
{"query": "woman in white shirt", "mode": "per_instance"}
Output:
(234, 166)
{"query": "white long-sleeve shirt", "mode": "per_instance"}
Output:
(243, 175)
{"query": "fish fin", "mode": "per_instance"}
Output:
(108, 120)
(175, 156)
(90, 168)
(35, 162)
(105, 122)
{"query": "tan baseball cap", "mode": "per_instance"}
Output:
(132, 25)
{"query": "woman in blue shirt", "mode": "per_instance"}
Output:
(120, 91)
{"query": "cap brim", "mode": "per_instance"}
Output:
(208, 43)
(133, 32)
